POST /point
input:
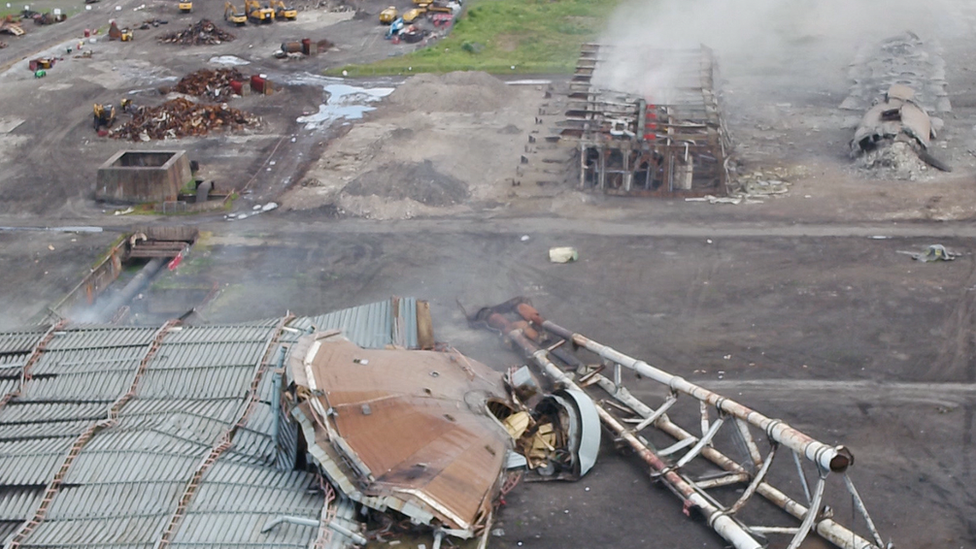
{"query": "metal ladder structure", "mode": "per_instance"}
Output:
(225, 441)
(626, 417)
(54, 487)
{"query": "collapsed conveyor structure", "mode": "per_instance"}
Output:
(717, 467)
(667, 140)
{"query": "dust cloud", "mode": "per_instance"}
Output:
(805, 42)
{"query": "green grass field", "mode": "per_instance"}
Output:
(533, 36)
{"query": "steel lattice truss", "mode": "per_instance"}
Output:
(719, 466)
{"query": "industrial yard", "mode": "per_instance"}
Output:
(758, 221)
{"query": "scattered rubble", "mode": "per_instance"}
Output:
(10, 25)
(152, 23)
(2, 44)
(214, 84)
(204, 32)
(935, 252)
(181, 118)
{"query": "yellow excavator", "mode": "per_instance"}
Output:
(232, 15)
(258, 14)
(414, 14)
(103, 115)
(389, 15)
(186, 6)
(282, 11)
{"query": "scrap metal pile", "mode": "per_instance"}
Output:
(204, 32)
(181, 118)
(210, 83)
(10, 25)
(701, 462)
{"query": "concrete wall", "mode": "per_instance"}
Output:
(134, 177)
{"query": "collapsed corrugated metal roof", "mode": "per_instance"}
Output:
(145, 437)
(175, 436)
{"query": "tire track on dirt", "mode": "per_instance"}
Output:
(955, 360)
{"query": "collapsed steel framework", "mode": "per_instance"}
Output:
(627, 417)
(673, 145)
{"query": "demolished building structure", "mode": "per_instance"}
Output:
(666, 138)
(287, 433)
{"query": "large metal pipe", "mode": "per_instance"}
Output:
(720, 522)
(836, 459)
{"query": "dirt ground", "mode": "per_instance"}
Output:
(803, 305)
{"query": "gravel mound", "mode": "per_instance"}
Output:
(466, 92)
(419, 182)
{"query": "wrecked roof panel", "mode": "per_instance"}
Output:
(87, 337)
(21, 341)
(415, 421)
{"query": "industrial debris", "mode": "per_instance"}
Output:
(893, 130)
(181, 117)
(204, 32)
(214, 84)
(303, 48)
(935, 252)
(431, 434)
(670, 141)
(563, 254)
(10, 25)
(695, 465)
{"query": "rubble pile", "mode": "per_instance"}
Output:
(181, 118)
(10, 25)
(204, 32)
(210, 83)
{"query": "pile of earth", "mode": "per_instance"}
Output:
(466, 92)
(415, 181)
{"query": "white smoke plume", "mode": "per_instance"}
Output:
(801, 41)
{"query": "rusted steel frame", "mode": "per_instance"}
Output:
(751, 445)
(54, 487)
(717, 520)
(803, 476)
(835, 459)
(697, 448)
(35, 355)
(859, 504)
(756, 481)
(226, 440)
(812, 512)
(828, 529)
(661, 410)
(728, 479)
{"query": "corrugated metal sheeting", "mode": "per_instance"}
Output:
(372, 326)
(125, 483)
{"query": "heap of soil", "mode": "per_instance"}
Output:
(468, 92)
(896, 160)
(419, 182)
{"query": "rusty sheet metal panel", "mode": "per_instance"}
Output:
(415, 422)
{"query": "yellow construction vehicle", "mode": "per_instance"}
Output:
(126, 35)
(413, 15)
(103, 115)
(186, 6)
(258, 14)
(282, 11)
(389, 15)
(232, 15)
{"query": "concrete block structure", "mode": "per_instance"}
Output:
(135, 177)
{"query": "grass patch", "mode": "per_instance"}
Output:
(533, 36)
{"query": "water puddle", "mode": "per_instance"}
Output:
(344, 102)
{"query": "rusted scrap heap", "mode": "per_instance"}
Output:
(213, 84)
(202, 33)
(181, 118)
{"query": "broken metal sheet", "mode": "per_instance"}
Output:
(897, 118)
(408, 430)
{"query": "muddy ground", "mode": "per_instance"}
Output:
(792, 305)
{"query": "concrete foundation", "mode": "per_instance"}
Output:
(134, 177)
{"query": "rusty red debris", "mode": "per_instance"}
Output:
(182, 118)
(204, 32)
(210, 83)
